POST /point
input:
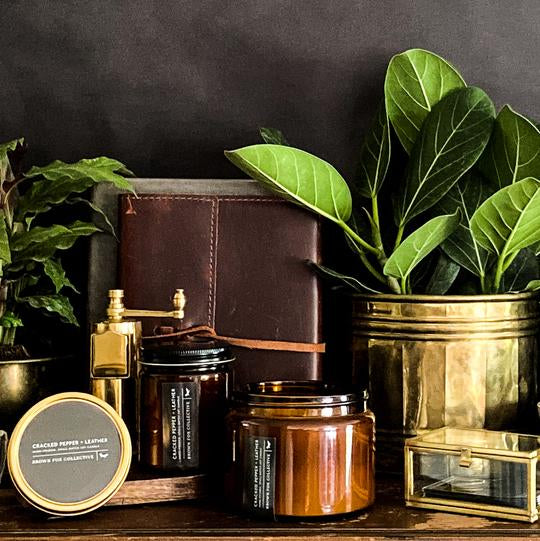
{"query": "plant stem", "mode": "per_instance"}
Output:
(376, 230)
(399, 236)
(483, 283)
(359, 239)
(498, 274)
(8, 211)
(9, 294)
(371, 268)
(403, 285)
(367, 263)
(8, 337)
(391, 282)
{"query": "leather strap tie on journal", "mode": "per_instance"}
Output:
(271, 345)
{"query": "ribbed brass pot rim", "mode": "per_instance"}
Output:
(445, 299)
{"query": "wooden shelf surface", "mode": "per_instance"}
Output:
(387, 519)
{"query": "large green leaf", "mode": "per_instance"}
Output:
(415, 81)
(54, 270)
(273, 136)
(9, 320)
(5, 252)
(64, 179)
(513, 152)
(374, 156)
(9, 146)
(95, 208)
(297, 176)
(6, 173)
(467, 195)
(509, 220)
(40, 243)
(55, 304)
(523, 270)
(443, 276)
(419, 244)
(452, 138)
(533, 285)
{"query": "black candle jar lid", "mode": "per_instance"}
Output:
(194, 352)
(69, 454)
(279, 394)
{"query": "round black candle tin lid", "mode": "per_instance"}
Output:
(194, 352)
(69, 454)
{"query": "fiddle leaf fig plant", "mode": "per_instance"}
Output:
(418, 245)
(416, 81)
(31, 271)
(514, 150)
(507, 222)
(464, 187)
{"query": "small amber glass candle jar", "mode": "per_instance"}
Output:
(300, 449)
(183, 393)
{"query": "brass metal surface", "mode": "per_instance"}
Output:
(495, 443)
(27, 381)
(466, 361)
(115, 349)
(117, 311)
(3, 451)
(110, 354)
(470, 446)
(77, 507)
(112, 391)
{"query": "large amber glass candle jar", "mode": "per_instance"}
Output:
(300, 449)
(183, 393)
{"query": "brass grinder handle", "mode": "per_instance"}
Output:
(117, 311)
(115, 349)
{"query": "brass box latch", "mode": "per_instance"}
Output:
(465, 459)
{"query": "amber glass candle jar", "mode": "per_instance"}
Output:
(183, 392)
(300, 449)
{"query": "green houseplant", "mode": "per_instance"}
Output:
(465, 202)
(31, 274)
(459, 155)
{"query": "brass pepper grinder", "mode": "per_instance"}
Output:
(114, 351)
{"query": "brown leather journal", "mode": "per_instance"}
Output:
(241, 261)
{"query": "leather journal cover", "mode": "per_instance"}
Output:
(240, 258)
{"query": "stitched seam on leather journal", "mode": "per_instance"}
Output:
(259, 199)
(216, 260)
(214, 199)
(211, 265)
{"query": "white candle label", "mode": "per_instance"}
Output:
(260, 475)
(180, 424)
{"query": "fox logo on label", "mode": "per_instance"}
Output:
(186, 394)
(268, 445)
(103, 455)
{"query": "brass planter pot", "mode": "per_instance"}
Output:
(24, 383)
(430, 361)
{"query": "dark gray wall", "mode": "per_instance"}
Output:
(166, 85)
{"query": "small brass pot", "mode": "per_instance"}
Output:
(434, 361)
(23, 383)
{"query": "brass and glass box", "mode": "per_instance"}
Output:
(478, 472)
